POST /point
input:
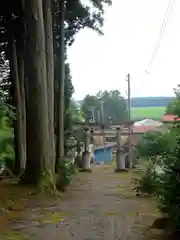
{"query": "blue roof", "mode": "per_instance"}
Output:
(109, 145)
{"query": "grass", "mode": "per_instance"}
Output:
(147, 112)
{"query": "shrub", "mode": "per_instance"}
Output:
(168, 193)
(149, 179)
(168, 196)
(149, 145)
(164, 183)
(65, 175)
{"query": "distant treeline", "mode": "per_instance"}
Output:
(150, 101)
(147, 101)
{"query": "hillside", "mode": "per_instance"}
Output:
(150, 101)
(147, 101)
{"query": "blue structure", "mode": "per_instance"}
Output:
(103, 154)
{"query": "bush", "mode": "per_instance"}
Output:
(168, 193)
(155, 144)
(7, 154)
(168, 196)
(65, 175)
(149, 179)
(149, 145)
(164, 183)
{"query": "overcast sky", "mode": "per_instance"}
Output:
(130, 32)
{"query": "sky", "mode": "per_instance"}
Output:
(131, 31)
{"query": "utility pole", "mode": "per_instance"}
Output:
(129, 97)
(102, 112)
(129, 119)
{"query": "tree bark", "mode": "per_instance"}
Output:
(20, 65)
(23, 106)
(60, 101)
(18, 122)
(39, 170)
(47, 11)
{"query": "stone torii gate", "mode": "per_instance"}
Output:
(88, 137)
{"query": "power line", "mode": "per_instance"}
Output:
(160, 36)
(162, 31)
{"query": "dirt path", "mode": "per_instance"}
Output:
(98, 205)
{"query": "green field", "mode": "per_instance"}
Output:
(147, 112)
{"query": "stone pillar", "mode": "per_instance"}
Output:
(134, 157)
(130, 150)
(78, 158)
(120, 161)
(86, 140)
(92, 145)
(130, 158)
(86, 161)
(103, 136)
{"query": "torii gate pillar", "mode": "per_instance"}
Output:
(86, 158)
(120, 161)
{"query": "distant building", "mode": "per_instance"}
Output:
(141, 127)
(148, 122)
(103, 154)
(168, 120)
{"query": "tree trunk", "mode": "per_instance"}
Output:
(50, 74)
(23, 105)
(39, 169)
(20, 65)
(17, 99)
(60, 101)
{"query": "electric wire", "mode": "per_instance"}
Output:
(161, 32)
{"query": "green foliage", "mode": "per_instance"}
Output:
(6, 132)
(148, 180)
(89, 104)
(7, 144)
(6, 109)
(164, 183)
(150, 144)
(75, 112)
(66, 172)
(114, 106)
(154, 144)
(79, 16)
(168, 194)
(174, 106)
(68, 91)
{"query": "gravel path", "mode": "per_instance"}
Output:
(98, 205)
